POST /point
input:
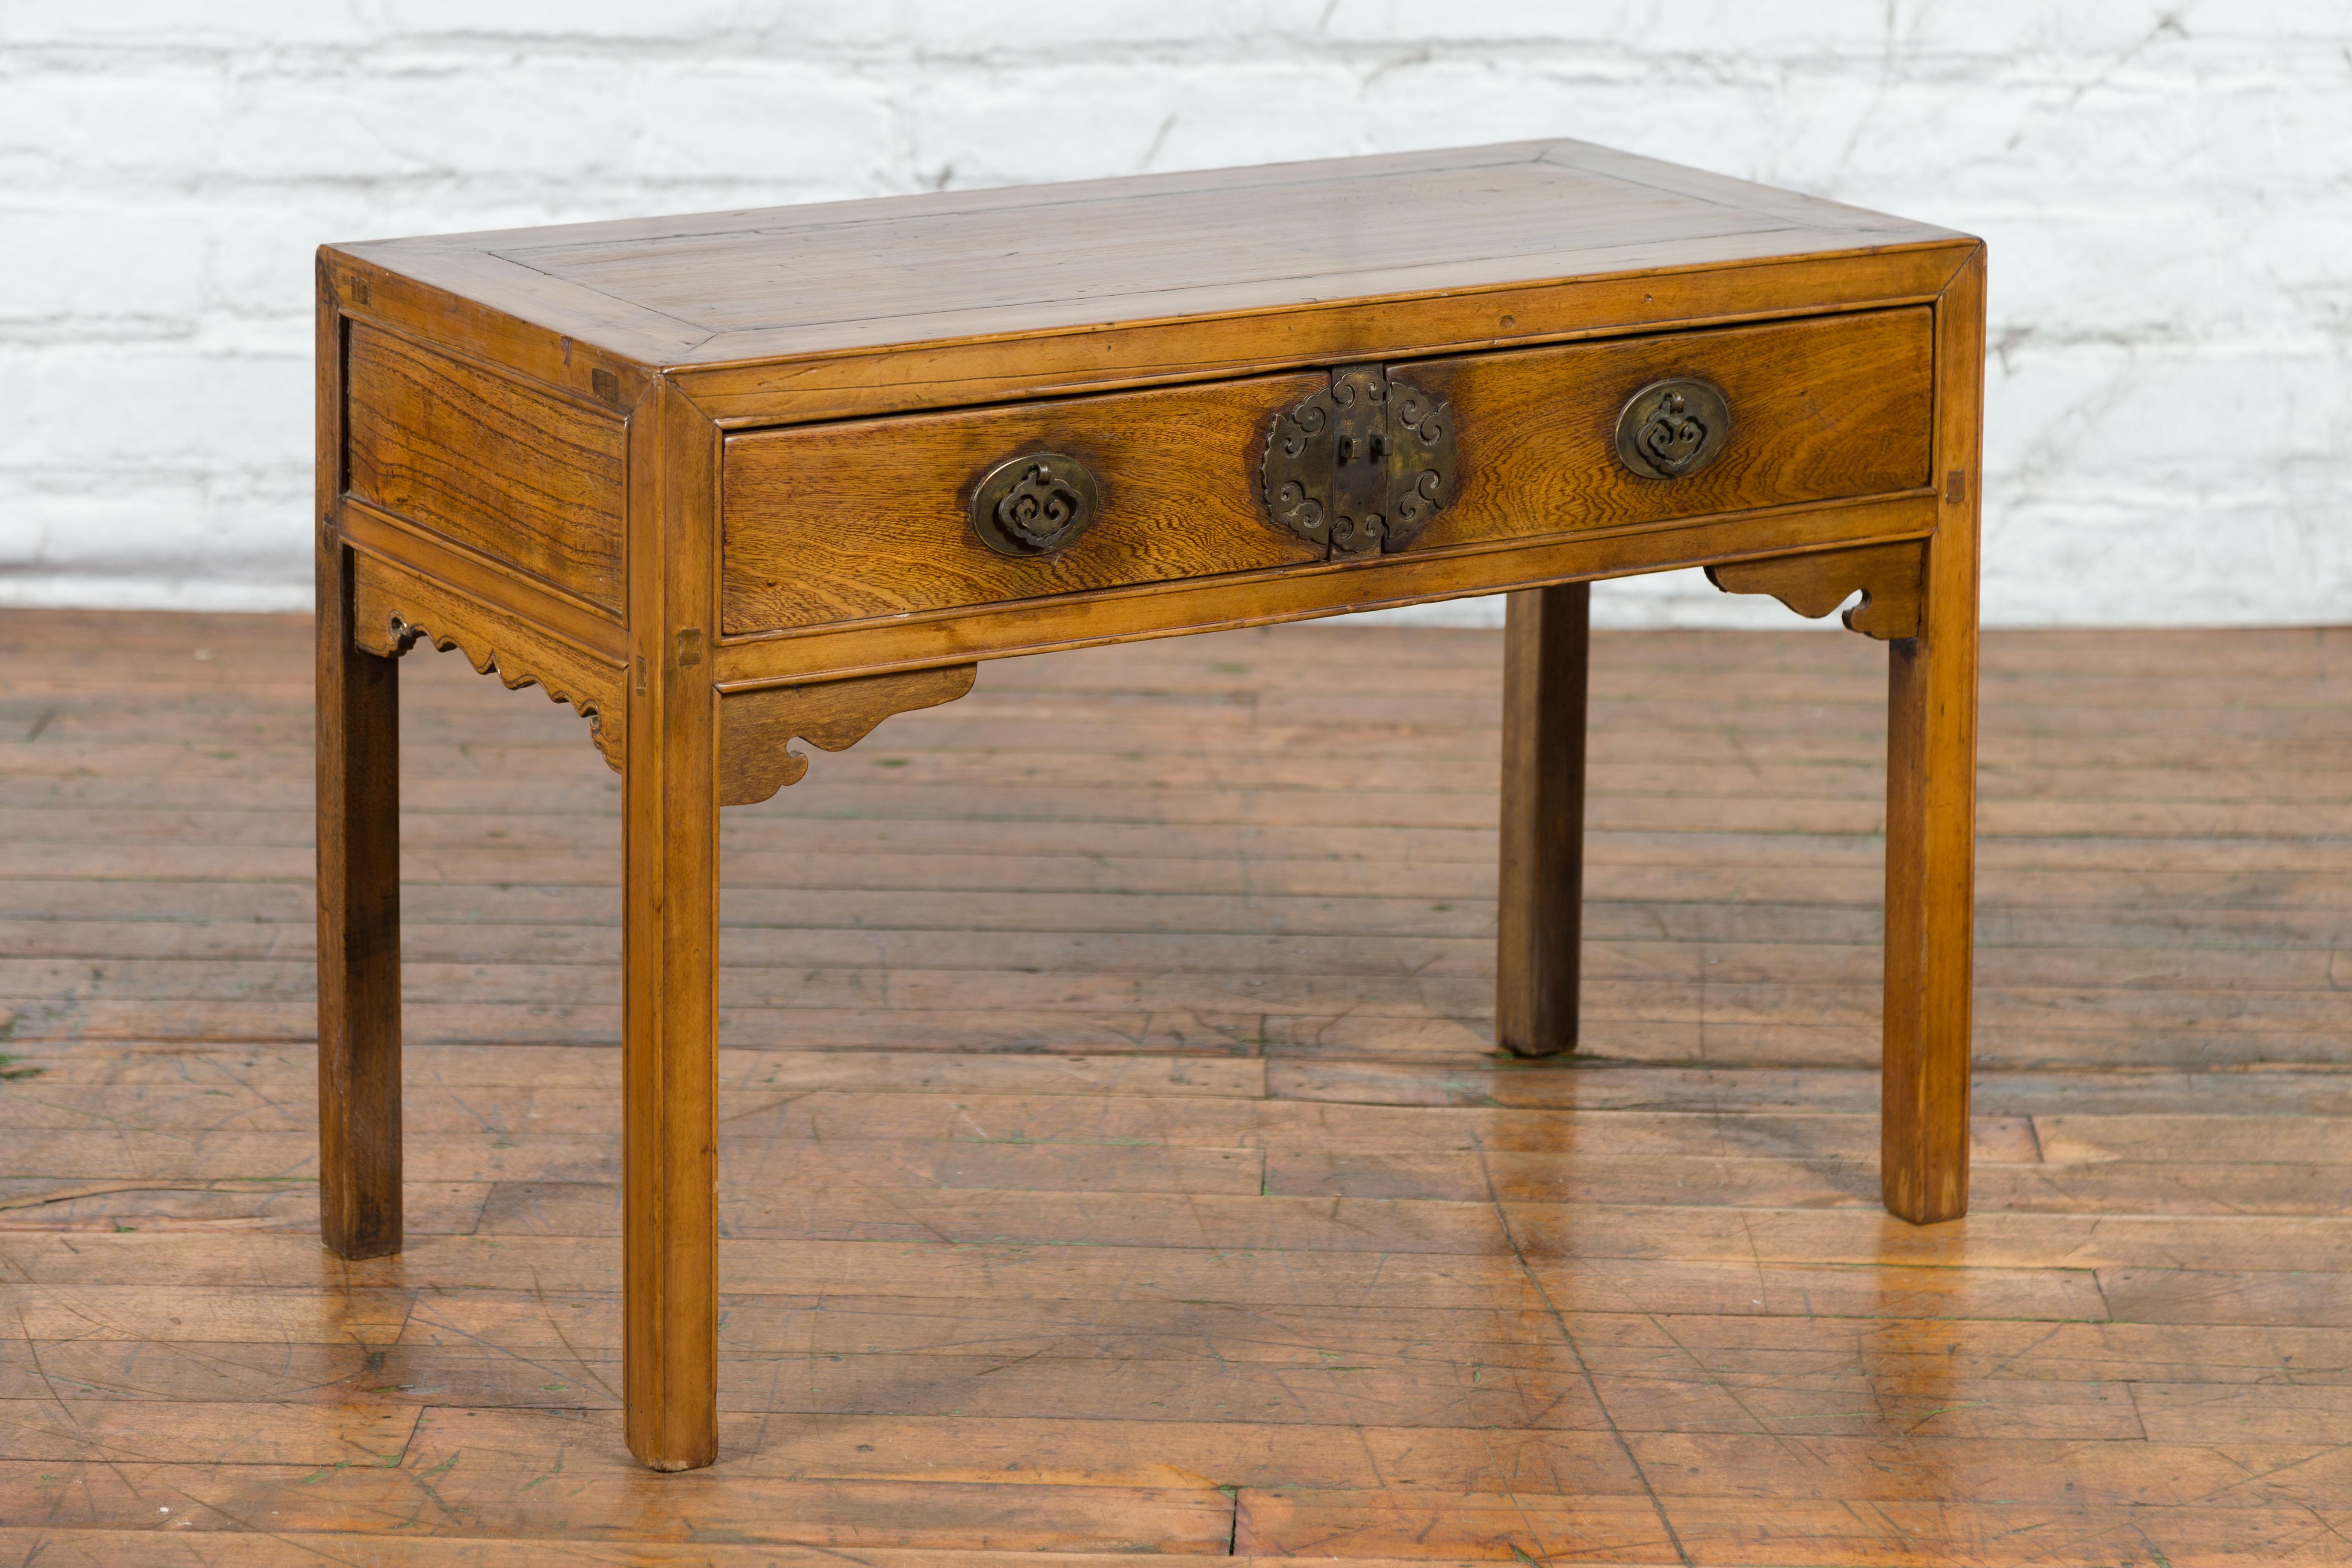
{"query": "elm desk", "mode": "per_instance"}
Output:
(727, 481)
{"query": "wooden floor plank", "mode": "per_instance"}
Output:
(65, 1546)
(1116, 1160)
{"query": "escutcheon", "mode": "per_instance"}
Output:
(1036, 504)
(1360, 466)
(1671, 428)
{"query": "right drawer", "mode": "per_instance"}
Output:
(1820, 409)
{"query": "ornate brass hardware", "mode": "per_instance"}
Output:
(1360, 466)
(1034, 504)
(1670, 428)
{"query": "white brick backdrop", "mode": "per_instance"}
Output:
(2168, 191)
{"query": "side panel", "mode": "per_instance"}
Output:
(532, 480)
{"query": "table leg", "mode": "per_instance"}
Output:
(1539, 918)
(670, 1071)
(359, 927)
(1930, 895)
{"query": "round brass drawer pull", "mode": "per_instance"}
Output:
(1671, 428)
(1034, 504)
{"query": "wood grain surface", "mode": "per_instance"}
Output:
(756, 728)
(1821, 410)
(528, 478)
(823, 277)
(1219, 603)
(1113, 1154)
(1540, 874)
(669, 944)
(358, 746)
(860, 519)
(1931, 801)
(393, 606)
(1889, 577)
(851, 521)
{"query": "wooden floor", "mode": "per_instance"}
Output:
(1116, 1160)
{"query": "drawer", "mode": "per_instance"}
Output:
(1823, 409)
(872, 517)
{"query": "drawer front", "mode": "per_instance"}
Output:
(836, 522)
(872, 518)
(1821, 410)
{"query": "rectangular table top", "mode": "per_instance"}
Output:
(789, 282)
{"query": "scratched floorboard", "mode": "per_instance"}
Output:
(1116, 1160)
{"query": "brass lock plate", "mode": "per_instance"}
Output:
(1671, 428)
(1360, 466)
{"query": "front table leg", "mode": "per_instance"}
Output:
(1930, 895)
(669, 1071)
(1920, 599)
(1539, 917)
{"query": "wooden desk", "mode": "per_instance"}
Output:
(724, 481)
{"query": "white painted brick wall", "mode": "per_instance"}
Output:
(2167, 190)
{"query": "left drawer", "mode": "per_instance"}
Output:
(872, 517)
(533, 481)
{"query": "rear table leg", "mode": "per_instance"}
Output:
(1540, 920)
(359, 927)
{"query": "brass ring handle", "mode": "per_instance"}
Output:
(1034, 504)
(1673, 429)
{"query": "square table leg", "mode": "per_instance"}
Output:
(1931, 805)
(669, 1085)
(359, 927)
(669, 955)
(1539, 919)
(1930, 895)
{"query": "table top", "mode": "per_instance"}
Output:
(789, 281)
